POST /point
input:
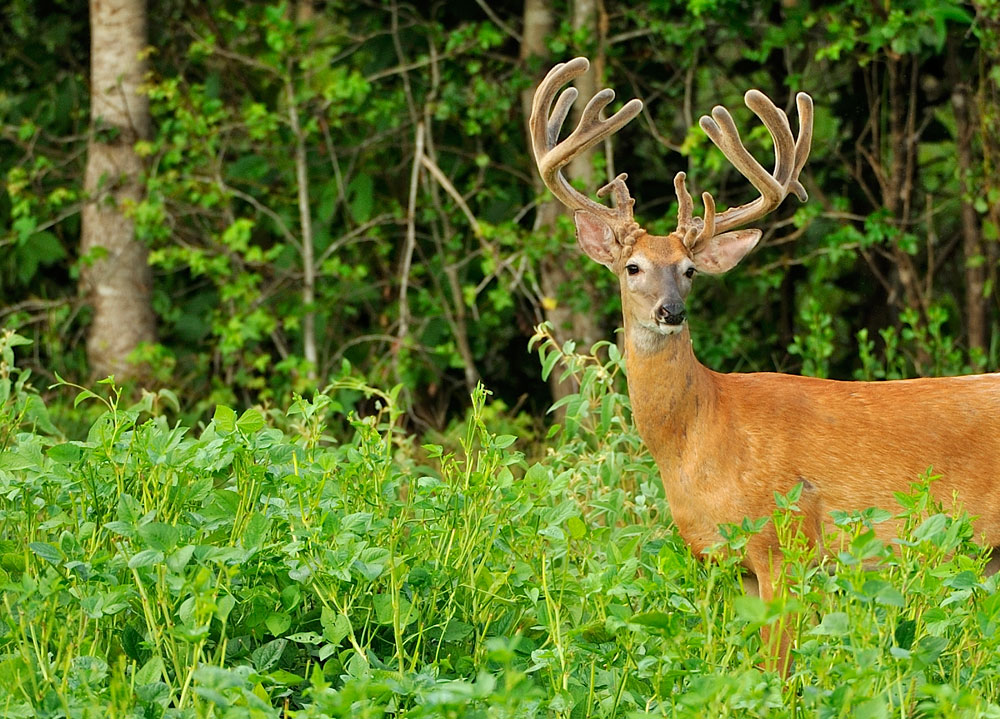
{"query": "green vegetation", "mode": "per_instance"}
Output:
(898, 241)
(317, 562)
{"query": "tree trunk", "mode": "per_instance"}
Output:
(902, 145)
(585, 16)
(115, 273)
(309, 350)
(972, 243)
(588, 15)
(556, 278)
(304, 11)
(988, 105)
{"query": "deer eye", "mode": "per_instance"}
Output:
(689, 272)
(632, 268)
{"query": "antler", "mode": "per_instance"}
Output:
(789, 158)
(551, 155)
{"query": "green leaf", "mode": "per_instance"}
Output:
(129, 509)
(335, 626)
(256, 531)
(548, 364)
(384, 609)
(328, 197)
(503, 441)
(285, 678)
(65, 453)
(145, 558)
(305, 638)
(224, 418)
(46, 551)
(278, 623)
(890, 596)
(251, 422)
(656, 620)
(931, 528)
(834, 624)
(927, 650)
(248, 167)
(131, 642)
(160, 536)
(537, 473)
(576, 527)
(43, 248)
(963, 580)
(750, 609)
(223, 606)
(266, 656)
(361, 191)
(874, 708)
(904, 633)
(83, 395)
(179, 559)
(948, 11)
(456, 631)
(290, 597)
(150, 672)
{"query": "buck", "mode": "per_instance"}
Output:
(725, 443)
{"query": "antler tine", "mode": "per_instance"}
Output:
(555, 122)
(790, 155)
(710, 228)
(685, 205)
(587, 133)
(803, 143)
(551, 155)
(543, 129)
(722, 131)
(776, 121)
(620, 190)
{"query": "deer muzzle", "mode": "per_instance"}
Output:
(670, 313)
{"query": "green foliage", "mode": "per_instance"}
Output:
(229, 161)
(279, 184)
(262, 565)
(816, 345)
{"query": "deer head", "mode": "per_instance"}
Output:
(655, 272)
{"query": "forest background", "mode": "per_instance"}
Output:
(317, 184)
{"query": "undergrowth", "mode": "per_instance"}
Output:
(313, 562)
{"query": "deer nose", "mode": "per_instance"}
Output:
(671, 313)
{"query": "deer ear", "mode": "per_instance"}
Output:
(722, 252)
(595, 237)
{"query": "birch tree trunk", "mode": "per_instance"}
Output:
(115, 275)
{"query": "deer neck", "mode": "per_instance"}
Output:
(671, 392)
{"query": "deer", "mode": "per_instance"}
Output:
(725, 443)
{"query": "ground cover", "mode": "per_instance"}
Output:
(316, 560)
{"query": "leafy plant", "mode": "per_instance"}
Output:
(335, 568)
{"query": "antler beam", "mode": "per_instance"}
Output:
(790, 156)
(551, 155)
